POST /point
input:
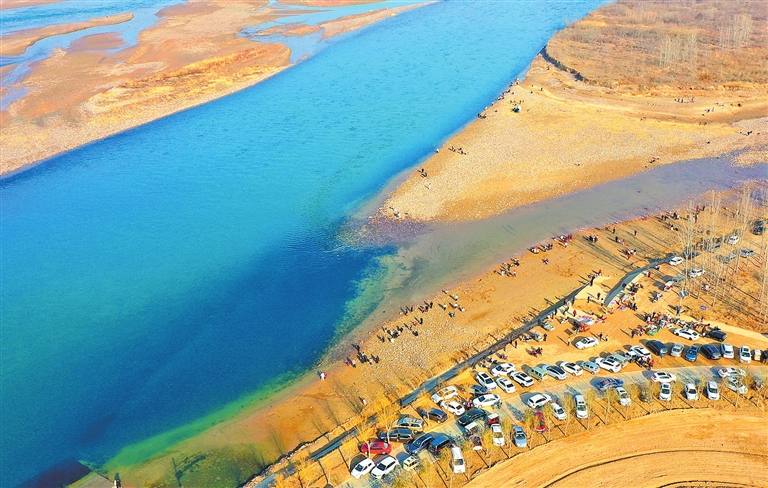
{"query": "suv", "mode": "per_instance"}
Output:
(710, 351)
(717, 335)
(399, 434)
(434, 414)
(419, 444)
(438, 443)
(411, 422)
(692, 354)
(657, 347)
(471, 416)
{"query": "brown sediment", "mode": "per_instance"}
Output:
(295, 29)
(16, 43)
(11, 4)
(327, 3)
(97, 42)
(353, 22)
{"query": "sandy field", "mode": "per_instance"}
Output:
(191, 56)
(314, 411)
(9, 4)
(674, 448)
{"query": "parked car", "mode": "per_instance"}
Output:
(692, 354)
(498, 435)
(454, 407)
(586, 343)
(558, 411)
(712, 391)
(412, 423)
(478, 390)
(695, 272)
(757, 355)
(665, 393)
(485, 380)
(736, 384)
(657, 347)
(471, 416)
(608, 383)
(758, 228)
(548, 325)
(710, 351)
(385, 466)
(691, 393)
(572, 368)
(541, 424)
(411, 462)
(620, 358)
(590, 366)
(581, 407)
(745, 355)
(717, 335)
(438, 443)
(506, 385)
(663, 377)
(689, 334)
(677, 350)
(376, 447)
(522, 379)
(486, 401)
(676, 260)
(539, 400)
(419, 444)
(641, 351)
(624, 399)
(502, 369)
(458, 460)
(556, 372)
(745, 253)
(733, 239)
(609, 364)
(362, 468)
(445, 394)
(399, 434)
(729, 371)
(726, 350)
(434, 414)
(519, 434)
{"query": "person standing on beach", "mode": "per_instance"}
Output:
(569, 341)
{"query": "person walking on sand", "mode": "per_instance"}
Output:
(569, 341)
(545, 337)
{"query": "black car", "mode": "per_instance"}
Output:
(657, 347)
(419, 444)
(400, 434)
(434, 414)
(717, 335)
(471, 416)
(758, 228)
(478, 390)
(711, 351)
(439, 442)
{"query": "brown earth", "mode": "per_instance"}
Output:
(9, 4)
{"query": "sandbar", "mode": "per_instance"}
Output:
(10, 4)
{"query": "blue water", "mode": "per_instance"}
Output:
(152, 277)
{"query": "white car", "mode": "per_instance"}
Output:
(522, 379)
(676, 261)
(641, 351)
(539, 400)
(411, 462)
(572, 368)
(485, 380)
(745, 355)
(486, 401)
(734, 383)
(726, 350)
(586, 343)
(726, 372)
(690, 392)
(677, 350)
(555, 371)
(665, 393)
(506, 385)
(663, 377)
(733, 239)
(689, 334)
(609, 364)
(385, 466)
(498, 435)
(695, 272)
(582, 411)
(363, 468)
(559, 412)
(711, 391)
(445, 394)
(454, 407)
(624, 399)
(503, 369)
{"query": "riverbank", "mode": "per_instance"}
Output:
(194, 54)
(578, 119)
(487, 307)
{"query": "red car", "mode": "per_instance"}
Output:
(376, 447)
(541, 425)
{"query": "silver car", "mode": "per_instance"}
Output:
(690, 392)
(677, 350)
(590, 366)
(711, 391)
(519, 434)
(624, 398)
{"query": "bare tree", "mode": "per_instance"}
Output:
(611, 396)
(570, 410)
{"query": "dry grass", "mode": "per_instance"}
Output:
(646, 43)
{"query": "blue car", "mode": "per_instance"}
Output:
(419, 444)
(693, 353)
